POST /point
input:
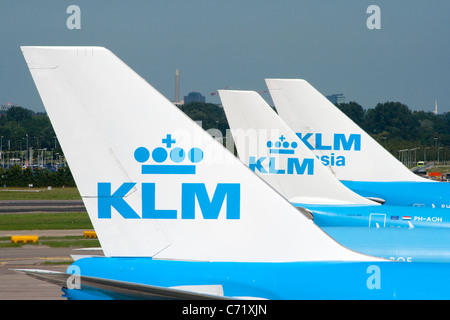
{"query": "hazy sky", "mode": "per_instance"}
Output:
(238, 43)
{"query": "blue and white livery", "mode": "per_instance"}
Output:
(360, 162)
(172, 244)
(272, 150)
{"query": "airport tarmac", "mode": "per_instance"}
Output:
(18, 286)
(46, 206)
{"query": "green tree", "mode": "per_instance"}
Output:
(354, 111)
(392, 117)
(211, 115)
(18, 114)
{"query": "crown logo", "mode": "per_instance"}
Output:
(162, 155)
(281, 146)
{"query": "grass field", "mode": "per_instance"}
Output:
(48, 221)
(45, 221)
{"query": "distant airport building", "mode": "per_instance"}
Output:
(194, 97)
(336, 98)
(7, 106)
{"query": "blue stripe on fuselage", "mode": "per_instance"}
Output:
(428, 194)
(377, 216)
(289, 280)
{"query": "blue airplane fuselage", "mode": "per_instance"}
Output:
(276, 280)
(424, 194)
(377, 216)
(401, 244)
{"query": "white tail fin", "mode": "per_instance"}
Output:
(154, 183)
(331, 133)
(269, 147)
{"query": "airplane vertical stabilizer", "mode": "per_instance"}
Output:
(329, 132)
(270, 147)
(153, 182)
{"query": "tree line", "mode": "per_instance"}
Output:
(17, 176)
(398, 128)
(392, 124)
(22, 130)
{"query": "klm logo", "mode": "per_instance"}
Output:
(170, 161)
(177, 156)
(210, 208)
(292, 165)
(340, 142)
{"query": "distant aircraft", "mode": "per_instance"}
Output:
(266, 144)
(177, 215)
(355, 158)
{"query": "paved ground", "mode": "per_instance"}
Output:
(33, 206)
(43, 233)
(17, 286)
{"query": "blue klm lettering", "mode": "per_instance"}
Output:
(190, 191)
(339, 140)
(293, 165)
